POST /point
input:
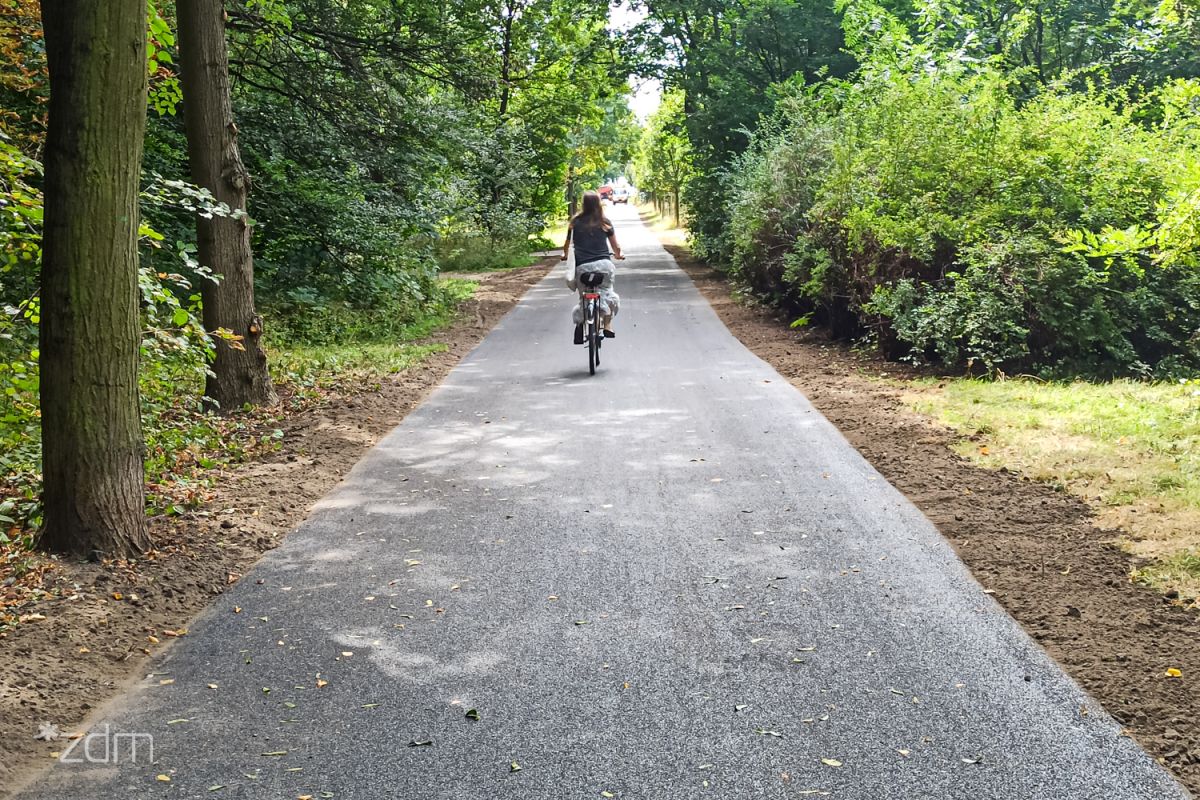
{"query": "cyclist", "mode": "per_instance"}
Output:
(593, 233)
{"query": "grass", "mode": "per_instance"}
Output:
(663, 226)
(1131, 450)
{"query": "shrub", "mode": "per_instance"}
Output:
(932, 210)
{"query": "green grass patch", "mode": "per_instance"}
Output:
(1130, 449)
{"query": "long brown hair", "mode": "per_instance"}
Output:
(592, 215)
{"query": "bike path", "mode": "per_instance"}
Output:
(672, 580)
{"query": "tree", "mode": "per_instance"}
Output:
(239, 371)
(664, 161)
(91, 436)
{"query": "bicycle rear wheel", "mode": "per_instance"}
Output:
(593, 325)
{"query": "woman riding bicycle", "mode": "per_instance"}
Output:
(593, 233)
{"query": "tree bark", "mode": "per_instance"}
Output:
(92, 446)
(239, 374)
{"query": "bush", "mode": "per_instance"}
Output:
(932, 211)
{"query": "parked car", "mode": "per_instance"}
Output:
(621, 195)
(606, 192)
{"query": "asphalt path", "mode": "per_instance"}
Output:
(674, 579)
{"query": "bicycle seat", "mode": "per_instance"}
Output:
(591, 279)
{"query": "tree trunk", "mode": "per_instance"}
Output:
(677, 219)
(90, 334)
(239, 374)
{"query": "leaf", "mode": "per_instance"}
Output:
(765, 732)
(421, 743)
(831, 762)
(1173, 672)
(472, 714)
(583, 622)
(514, 767)
(163, 778)
(275, 753)
(216, 787)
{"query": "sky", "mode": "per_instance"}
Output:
(647, 93)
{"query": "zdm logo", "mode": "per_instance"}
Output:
(106, 747)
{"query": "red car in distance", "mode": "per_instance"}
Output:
(606, 192)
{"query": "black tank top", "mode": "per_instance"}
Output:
(591, 243)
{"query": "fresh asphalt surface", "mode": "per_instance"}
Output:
(672, 580)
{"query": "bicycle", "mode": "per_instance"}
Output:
(589, 304)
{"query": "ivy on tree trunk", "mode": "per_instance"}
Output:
(91, 429)
(239, 371)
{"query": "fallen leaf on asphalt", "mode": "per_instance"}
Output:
(347, 653)
(177, 721)
(734, 608)
(216, 787)
(904, 752)
(420, 743)
(212, 686)
(163, 778)
(607, 794)
(514, 767)
(813, 791)
(971, 760)
(275, 753)
(765, 732)
(369, 705)
(582, 622)
(166, 682)
(831, 762)
(1174, 673)
(412, 562)
(321, 682)
(472, 714)
(741, 707)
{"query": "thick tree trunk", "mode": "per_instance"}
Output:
(90, 334)
(239, 375)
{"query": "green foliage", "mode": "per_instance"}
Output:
(663, 163)
(932, 206)
(311, 324)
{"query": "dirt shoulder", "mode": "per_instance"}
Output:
(1035, 549)
(107, 619)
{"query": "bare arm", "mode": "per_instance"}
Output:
(567, 245)
(616, 248)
